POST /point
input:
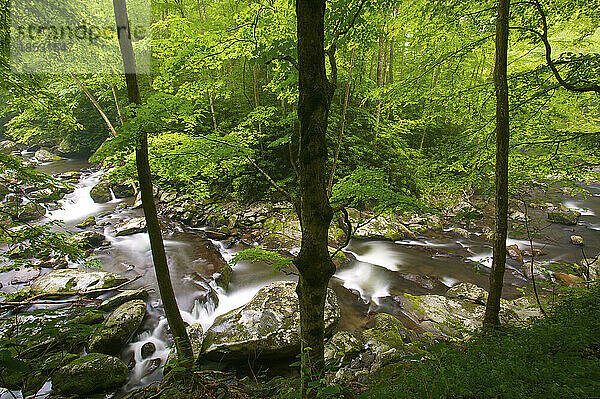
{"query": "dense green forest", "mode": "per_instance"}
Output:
(399, 159)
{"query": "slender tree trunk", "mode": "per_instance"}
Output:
(492, 310)
(380, 66)
(182, 342)
(391, 63)
(212, 110)
(315, 213)
(114, 92)
(96, 105)
(344, 109)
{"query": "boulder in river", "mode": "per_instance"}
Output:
(267, 327)
(92, 373)
(89, 239)
(123, 190)
(67, 281)
(44, 155)
(118, 328)
(87, 222)
(24, 275)
(564, 215)
(576, 240)
(68, 147)
(122, 297)
(468, 291)
(30, 211)
(384, 227)
(131, 226)
(8, 146)
(100, 193)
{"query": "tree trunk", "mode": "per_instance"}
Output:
(212, 110)
(182, 342)
(114, 92)
(391, 63)
(380, 66)
(96, 105)
(315, 213)
(492, 310)
(344, 109)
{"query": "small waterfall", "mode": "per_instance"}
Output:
(78, 205)
(370, 281)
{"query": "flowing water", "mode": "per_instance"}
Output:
(379, 270)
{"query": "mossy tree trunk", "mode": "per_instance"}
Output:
(315, 213)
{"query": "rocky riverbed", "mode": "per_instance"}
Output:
(402, 282)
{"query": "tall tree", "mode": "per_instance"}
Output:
(492, 308)
(315, 213)
(159, 257)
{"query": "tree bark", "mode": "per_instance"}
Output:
(315, 213)
(212, 110)
(114, 92)
(96, 105)
(492, 310)
(182, 342)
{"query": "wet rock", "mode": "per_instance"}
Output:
(74, 281)
(44, 155)
(118, 328)
(224, 276)
(72, 176)
(468, 291)
(89, 318)
(123, 190)
(461, 232)
(341, 348)
(266, 327)
(564, 215)
(89, 239)
(30, 211)
(121, 298)
(167, 197)
(515, 253)
(131, 226)
(447, 317)
(100, 193)
(46, 195)
(386, 227)
(576, 240)
(196, 335)
(539, 270)
(147, 349)
(24, 275)
(87, 222)
(219, 234)
(92, 373)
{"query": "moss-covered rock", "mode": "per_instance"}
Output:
(121, 298)
(118, 328)
(89, 239)
(564, 215)
(266, 327)
(100, 193)
(341, 348)
(74, 280)
(87, 222)
(90, 374)
(44, 155)
(131, 226)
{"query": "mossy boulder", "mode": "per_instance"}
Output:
(267, 327)
(92, 373)
(30, 211)
(341, 348)
(564, 215)
(68, 147)
(87, 222)
(123, 190)
(131, 226)
(89, 239)
(44, 155)
(73, 281)
(121, 298)
(100, 193)
(118, 328)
